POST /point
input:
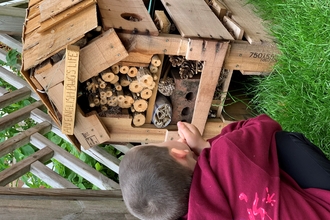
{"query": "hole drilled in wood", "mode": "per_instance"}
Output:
(190, 96)
(131, 17)
(185, 111)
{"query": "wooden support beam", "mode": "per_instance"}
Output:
(22, 167)
(18, 115)
(214, 53)
(73, 163)
(23, 138)
(15, 96)
(50, 177)
(11, 42)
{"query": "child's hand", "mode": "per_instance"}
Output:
(192, 137)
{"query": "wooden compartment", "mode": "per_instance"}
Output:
(113, 36)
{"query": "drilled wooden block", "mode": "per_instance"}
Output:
(183, 98)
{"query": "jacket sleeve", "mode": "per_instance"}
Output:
(255, 137)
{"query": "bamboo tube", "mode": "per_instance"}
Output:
(108, 91)
(91, 101)
(113, 101)
(107, 76)
(153, 69)
(146, 93)
(120, 96)
(104, 108)
(124, 80)
(101, 83)
(118, 86)
(135, 86)
(138, 119)
(116, 79)
(152, 86)
(115, 68)
(124, 69)
(155, 60)
(102, 92)
(140, 105)
(103, 101)
(144, 77)
(132, 72)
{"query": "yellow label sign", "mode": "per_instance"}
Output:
(70, 89)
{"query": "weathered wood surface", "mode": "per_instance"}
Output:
(50, 8)
(244, 14)
(22, 167)
(76, 165)
(193, 18)
(213, 53)
(40, 204)
(14, 96)
(38, 47)
(117, 14)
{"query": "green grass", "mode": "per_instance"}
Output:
(297, 93)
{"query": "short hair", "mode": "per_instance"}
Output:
(154, 185)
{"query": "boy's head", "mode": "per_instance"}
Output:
(155, 180)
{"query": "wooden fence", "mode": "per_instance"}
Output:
(64, 200)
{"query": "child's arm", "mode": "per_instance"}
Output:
(191, 135)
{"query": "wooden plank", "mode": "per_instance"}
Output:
(32, 24)
(54, 20)
(14, 96)
(38, 47)
(233, 28)
(102, 156)
(218, 8)
(88, 130)
(244, 15)
(50, 177)
(41, 208)
(12, 11)
(74, 164)
(63, 194)
(224, 91)
(33, 11)
(50, 8)
(3, 91)
(19, 115)
(11, 42)
(15, 81)
(70, 89)
(214, 53)
(94, 58)
(11, 25)
(116, 14)
(251, 57)
(164, 23)
(23, 138)
(22, 167)
(193, 18)
(33, 2)
(102, 53)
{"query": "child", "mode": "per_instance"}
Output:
(235, 175)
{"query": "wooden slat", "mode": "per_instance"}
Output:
(11, 25)
(41, 208)
(74, 163)
(90, 131)
(22, 167)
(11, 42)
(15, 81)
(34, 10)
(113, 13)
(12, 11)
(54, 20)
(39, 47)
(19, 115)
(39, 116)
(63, 194)
(193, 18)
(225, 87)
(104, 157)
(251, 57)
(23, 138)
(103, 52)
(214, 54)
(14, 96)
(233, 27)
(245, 16)
(50, 177)
(50, 8)
(32, 24)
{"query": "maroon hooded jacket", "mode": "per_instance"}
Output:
(239, 178)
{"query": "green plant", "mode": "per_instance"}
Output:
(297, 93)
